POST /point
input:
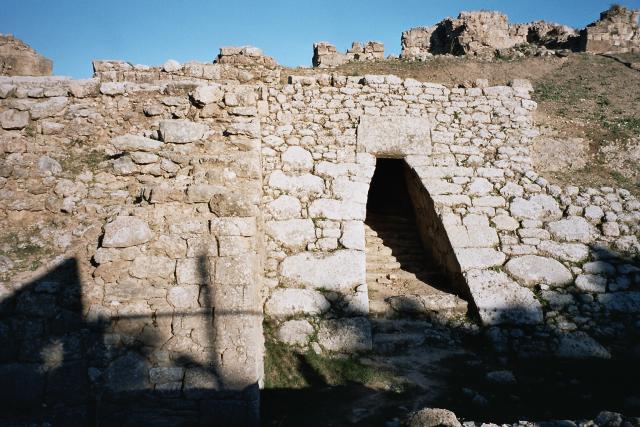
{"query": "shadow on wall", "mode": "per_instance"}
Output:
(61, 368)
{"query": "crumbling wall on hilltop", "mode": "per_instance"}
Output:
(617, 31)
(19, 59)
(325, 54)
(482, 34)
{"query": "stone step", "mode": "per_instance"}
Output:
(392, 342)
(382, 325)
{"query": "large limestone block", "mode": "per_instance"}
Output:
(301, 186)
(290, 302)
(573, 229)
(293, 234)
(182, 131)
(470, 258)
(346, 189)
(337, 271)
(579, 345)
(472, 236)
(531, 270)
(353, 235)
(337, 209)
(284, 207)
(146, 267)
(126, 231)
(502, 301)
(345, 335)
(208, 94)
(295, 332)
(14, 119)
(130, 143)
(540, 207)
(571, 252)
(396, 136)
(193, 271)
(49, 108)
(297, 159)
(184, 297)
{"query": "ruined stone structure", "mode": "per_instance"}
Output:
(486, 34)
(185, 204)
(616, 31)
(19, 59)
(325, 54)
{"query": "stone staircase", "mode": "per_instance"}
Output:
(400, 277)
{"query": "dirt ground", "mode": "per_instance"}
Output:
(588, 108)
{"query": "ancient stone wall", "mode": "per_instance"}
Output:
(325, 54)
(144, 196)
(616, 31)
(173, 204)
(484, 34)
(19, 59)
(512, 232)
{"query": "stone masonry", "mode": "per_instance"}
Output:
(616, 31)
(487, 34)
(325, 54)
(19, 59)
(182, 205)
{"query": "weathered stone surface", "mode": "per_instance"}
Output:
(126, 231)
(183, 297)
(284, 207)
(621, 302)
(347, 269)
(539, 207)
(471, 258)
(49, 108)
(345, 335)
(293, 234)
(14, 119)
(337, 209)
(182, 131)
(579, 345)
(442, 303)
(129, 143)
(208, 94)
(302, 186)
(353, 236)
(171, 66)
(18, 59)
(573, 229)
(233, 226)
(289, 302)
(531, 270)
(394, 136)
(432, 417)
(128, 373)
(162, 375)
(591, 283)
(297, 159)
(502, 301)
(148, 267)
(295, 332)
(571, 252)
(472, 236)
(194, 271)
(47, 164)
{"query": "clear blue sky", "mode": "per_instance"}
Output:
(74, 32)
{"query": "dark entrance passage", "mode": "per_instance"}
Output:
(402, 276)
